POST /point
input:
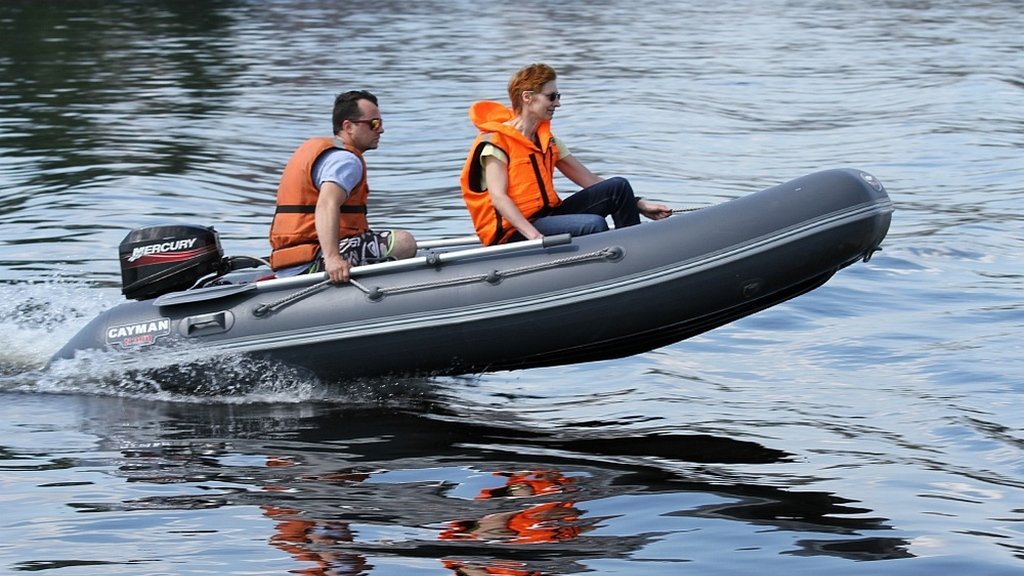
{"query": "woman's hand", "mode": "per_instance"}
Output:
(653, 210)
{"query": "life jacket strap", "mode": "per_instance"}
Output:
(305, 209)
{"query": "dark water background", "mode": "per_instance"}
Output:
(871, 427)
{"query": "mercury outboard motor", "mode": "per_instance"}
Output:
(161, 259)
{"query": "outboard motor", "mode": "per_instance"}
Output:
(161, 259)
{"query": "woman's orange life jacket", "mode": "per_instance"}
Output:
(293, 236)
(531, 170)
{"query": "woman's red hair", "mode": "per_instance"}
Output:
(529, 79)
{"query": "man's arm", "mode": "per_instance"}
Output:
(328, 220)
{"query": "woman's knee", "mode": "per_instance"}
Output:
(591, 224)
(620, 185)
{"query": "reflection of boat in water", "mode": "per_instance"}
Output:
(529, 304)
(338, 490)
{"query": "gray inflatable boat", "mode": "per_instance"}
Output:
(456, 309)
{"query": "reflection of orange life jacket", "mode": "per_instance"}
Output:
(545, 523)
(542, 523)
(496, 567)
(293, 232)
(537, 482)
(531, 169)
(291, 533)
(295, 536)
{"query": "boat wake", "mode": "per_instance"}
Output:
(36, 319)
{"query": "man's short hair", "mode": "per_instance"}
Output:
(346, 107)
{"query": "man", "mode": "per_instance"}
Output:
(320, 222)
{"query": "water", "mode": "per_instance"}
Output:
(872, 426)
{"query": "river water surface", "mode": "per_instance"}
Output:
(873, 426)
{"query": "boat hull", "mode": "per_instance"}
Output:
(601, 296)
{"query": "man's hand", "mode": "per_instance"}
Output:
(337, 269)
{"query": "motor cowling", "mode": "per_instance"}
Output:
(159, 259)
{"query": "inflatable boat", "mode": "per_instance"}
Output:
(458, 309)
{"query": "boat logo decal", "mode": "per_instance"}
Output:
(138, 333)
(872, 181)
(162, 247)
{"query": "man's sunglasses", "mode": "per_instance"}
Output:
(375, 123)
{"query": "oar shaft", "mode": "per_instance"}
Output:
(447, 242)
(420, 261)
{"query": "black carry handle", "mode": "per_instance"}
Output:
(557, 240)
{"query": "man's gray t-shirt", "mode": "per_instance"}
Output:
(339, 166)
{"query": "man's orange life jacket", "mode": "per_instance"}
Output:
(293, 236)
(531, 169)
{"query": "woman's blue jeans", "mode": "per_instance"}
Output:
(584, 212)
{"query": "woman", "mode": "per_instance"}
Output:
(508, 179)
